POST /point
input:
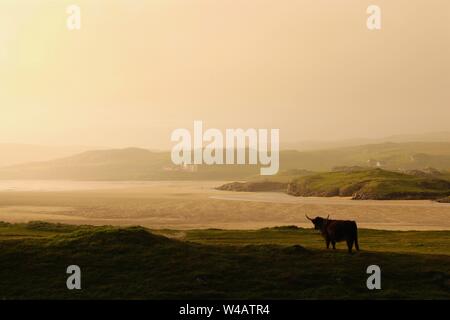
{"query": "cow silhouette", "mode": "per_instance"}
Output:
(336, 231)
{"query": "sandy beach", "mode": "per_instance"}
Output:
(197, 205)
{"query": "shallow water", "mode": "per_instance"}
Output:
(196, 204)
(68, 185)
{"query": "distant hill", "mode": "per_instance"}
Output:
(391, 156)
(142, 164)
(122, 164)
(310, 145)
(13, 153)
(117, 164)
(442, 136)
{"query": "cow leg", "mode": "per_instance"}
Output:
(334, 244)
(350, 245)
(328, 243)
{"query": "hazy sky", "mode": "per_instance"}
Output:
(139, 69)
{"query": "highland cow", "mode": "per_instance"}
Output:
(336, 231)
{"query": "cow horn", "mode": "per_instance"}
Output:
(328, 217)
(308, 217)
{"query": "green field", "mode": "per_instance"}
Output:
(277, 263)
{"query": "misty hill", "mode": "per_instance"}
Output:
(122, 164)
(142, 164)
(391, 156)
(441, 136)
(117, 164)
(12, 153)
(309, 145)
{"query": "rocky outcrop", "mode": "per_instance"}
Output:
(254, 186)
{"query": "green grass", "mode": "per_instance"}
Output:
(278, 263)
(35, 229)
(423, 242)
(370, 184)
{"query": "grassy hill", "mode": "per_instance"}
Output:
(278, 263)
(356, 182)
(141, 164)
(375, 184)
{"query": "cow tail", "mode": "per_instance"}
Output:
(356, 238)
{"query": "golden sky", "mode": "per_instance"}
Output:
(139, 69)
